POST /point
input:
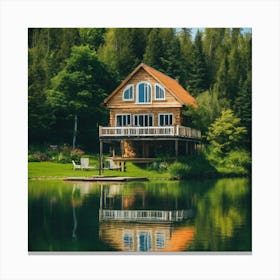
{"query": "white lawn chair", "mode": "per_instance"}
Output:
(111, 165)
(85, 164)
(76, 166)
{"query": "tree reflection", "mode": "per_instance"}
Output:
(221, 213)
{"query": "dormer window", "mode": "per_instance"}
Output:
(144, 93)
(128, 93)
(159, 92)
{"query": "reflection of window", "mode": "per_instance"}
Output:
(128, 240)
(123, 120)
(128, 93)
(165, 119)
(160, 239)
(144, 241)
(159, 92)
(144, 93)
(143, 120)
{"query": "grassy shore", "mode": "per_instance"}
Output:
(61, 170)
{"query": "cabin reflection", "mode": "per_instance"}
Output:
(131, 220)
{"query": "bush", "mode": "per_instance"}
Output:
(76, 154)
(192, 166)
(179, 170)
(237, 162)
(37, 157)
(62, 154)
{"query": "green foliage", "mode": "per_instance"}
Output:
(93, 37)
(209, 108)
(192, 166)
(226, 134)
(74, 69)
(197, 82)
(62, 154)
(236, 163)
(179, 170)
(80, 88)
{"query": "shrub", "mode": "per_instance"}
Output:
(238, 162)
(179, 170)
(37, 157)
(192, 166)
(76, 154)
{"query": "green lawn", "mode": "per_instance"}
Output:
(60, 170)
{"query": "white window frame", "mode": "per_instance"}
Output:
(160, 239)
(125, 89)
(116, 123)
(137, 115)
(164, 114)
(148, 245)
(155, 92)
(137, 93)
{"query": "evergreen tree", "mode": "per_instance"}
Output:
(39, 117)
(197, 82)
(185, 39)
(154, 50)
(171, 56)
(214, 48)
(93, 37)
(121, 51)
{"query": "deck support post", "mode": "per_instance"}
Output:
(100, 156)
(187, 148)
(122, 147)
(113, 151)
(176, 148)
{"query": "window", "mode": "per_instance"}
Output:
(159, 92)
(128, 93)
(165, 119)
(128, 240)
(143, 120)
(144, 93)
(160, 239)
(123, 120)
(144, 241)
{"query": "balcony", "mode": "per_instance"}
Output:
(177, 131)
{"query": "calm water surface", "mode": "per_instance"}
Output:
(211, 215)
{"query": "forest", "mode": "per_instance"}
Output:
(72, 70)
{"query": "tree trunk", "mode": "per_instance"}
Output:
(75, 130)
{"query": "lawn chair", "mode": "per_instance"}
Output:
(76, 166)
(111, 165)
(85, 164)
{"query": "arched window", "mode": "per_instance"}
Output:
(128, 93)
(159, 92)
(144, 93)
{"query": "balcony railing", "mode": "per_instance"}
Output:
(145, 215)
(151, 131)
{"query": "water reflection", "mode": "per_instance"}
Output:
(128, 221)
(140, 217)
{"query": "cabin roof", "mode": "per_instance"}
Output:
(172, 85)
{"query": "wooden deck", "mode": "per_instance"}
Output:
(106, 179)
(150, 131)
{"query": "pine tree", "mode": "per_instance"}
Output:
(197, 82)
(154, 50)
(185, 39)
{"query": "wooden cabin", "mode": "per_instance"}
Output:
(146, 117)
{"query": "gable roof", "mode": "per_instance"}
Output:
(172, 85)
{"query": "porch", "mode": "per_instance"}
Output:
(144, 144)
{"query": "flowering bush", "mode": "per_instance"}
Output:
(76, 154)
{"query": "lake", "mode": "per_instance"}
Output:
(154, 216)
